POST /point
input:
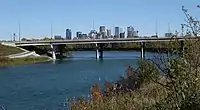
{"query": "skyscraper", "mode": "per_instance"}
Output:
(116, 32)
(68, 34)
(122, 33)
(79, 35)
(102, 31)
(108, 33)
(93, 34)
(130, 32)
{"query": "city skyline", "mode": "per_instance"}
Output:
(37, 16)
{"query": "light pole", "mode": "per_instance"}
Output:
(19, 32)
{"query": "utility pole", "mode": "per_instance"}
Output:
(19, 31)
(156, 28)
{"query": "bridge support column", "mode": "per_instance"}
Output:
(142, 46)
(61, 51)
(53, 47)
(99, 51)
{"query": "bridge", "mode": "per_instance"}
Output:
(99, 42)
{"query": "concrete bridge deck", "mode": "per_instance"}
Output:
(99, 41)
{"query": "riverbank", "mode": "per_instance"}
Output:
(129, 93)
(13, 56)
(5, 62)
(8, 50)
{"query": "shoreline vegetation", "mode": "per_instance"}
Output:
(6, 62)
(8, 50)
(162, 84)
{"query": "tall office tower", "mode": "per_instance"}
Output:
(108, 32)
(79, 35)
(93, 34)
(130, 32)
(116, 32)
(68, 34)
(102, 31)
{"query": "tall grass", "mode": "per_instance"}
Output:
(4, 61)
(8, 50)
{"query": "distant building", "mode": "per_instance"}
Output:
(116, 32)
(122, 35)
(92, 34)
(102, 31)
(156, 36)
(14, 36)
(79, 35)
(130, 32)
(136, 34)
(108, 33)
(168, 34)
(99, 36)
(68, 34)
(84, 36)
(57, 37)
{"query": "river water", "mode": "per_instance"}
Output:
(48, 85)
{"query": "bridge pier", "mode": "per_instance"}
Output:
(97, 54)
(99, 51)
(53, 47)
(61, 51)
(142, 54)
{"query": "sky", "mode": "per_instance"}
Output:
(36, 16)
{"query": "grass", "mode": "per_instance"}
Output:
(8, 50)
(141, 99)
(5, 62)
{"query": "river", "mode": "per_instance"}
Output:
(48, 85)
